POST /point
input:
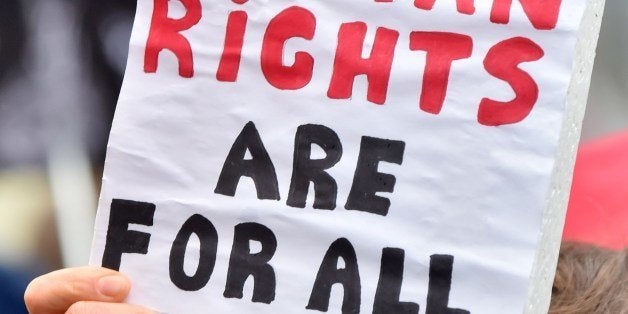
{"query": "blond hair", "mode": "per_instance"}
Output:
(589, 280)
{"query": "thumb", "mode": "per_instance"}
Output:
(57, 291)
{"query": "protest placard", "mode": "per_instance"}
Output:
(358, 156)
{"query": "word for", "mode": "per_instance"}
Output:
(367, 181)
(244, 264)
(441, 50)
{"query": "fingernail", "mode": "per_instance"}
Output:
(112, 286)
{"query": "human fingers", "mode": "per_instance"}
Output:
(55, 292)
(91, 307)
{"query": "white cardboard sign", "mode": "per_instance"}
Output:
(335, 156)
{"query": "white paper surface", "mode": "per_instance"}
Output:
(464, 189)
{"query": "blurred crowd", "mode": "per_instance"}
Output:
(61, 67)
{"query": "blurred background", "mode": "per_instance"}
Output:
(61, 66)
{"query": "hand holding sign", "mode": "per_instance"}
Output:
(271, 156)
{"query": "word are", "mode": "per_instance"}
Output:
(441, 49)
(367, 181)
(244, 264)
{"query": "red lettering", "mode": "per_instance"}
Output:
(442, 49)
(165, 34)
(349, 63)
(232, 54)
(542, 13)
(292, 22)
(464, 6)
(502, 62)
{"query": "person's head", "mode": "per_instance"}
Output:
(590, 279)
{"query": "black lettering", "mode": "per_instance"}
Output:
(441, 267)
(306, 170)
(122, 240)
(367, 180)
(259, 168)
(243, 264)
(329, 274)
(389, 285)
(208, 238)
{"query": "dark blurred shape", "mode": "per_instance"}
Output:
(12, 37)
(106, 28)
(12, 290)
(81, 45)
